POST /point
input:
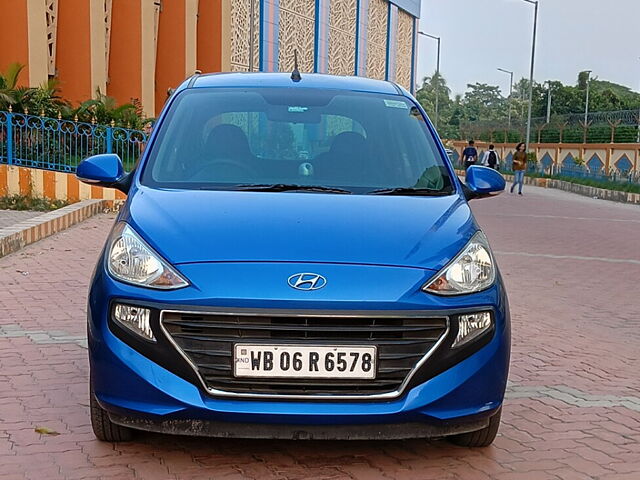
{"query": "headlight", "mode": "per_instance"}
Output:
(471, 271)
(131, 260)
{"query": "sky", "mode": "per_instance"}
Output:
(479, 36)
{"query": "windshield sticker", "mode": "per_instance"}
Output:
(396, 104)
(298, 109)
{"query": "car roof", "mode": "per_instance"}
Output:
(281, 80)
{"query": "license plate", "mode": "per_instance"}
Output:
(302, 361)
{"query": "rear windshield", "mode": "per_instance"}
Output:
(225, 138)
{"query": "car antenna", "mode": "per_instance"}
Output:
(295, 75)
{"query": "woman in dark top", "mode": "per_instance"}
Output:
(519, 167)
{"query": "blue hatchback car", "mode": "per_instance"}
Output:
(296, 259)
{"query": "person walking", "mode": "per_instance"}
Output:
(469, 155)
(490, 158)
(519, 167)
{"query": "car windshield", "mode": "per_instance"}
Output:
(283, 139)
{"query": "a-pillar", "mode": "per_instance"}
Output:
(23, 35)
(177, 37)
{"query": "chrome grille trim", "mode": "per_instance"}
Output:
(311, 314)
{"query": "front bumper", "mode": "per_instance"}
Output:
(139, 392)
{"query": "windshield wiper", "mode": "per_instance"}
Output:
(424, 192)
(286, 187)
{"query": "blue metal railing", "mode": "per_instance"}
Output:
(60, 145)
(574, 171)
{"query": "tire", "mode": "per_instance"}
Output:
(480, 438)
(103, 428)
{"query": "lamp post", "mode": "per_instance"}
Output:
(510, 73)
(437, 75)
(586, 103)
(548, 102)
(535, 3)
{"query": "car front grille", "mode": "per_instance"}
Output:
(207, 341)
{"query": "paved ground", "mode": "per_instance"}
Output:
(572, 265)
(11, 217)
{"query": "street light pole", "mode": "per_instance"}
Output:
(548, 102)
(510, 91)
(586, 103)
(533, 58)
(437, 76)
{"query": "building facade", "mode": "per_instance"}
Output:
(138, 49)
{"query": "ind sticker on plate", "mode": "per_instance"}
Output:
(396, 104)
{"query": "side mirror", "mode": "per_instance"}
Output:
(482, 182)
(104, 170)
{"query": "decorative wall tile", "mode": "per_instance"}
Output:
(51, 13)
(377, 39)
(342, 37)
(297, 32)
(240, 34)
(404, 48)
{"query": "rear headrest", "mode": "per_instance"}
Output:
(227, 141)
(348, 143)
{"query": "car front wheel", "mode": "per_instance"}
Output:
(480, 438)
(103, 428)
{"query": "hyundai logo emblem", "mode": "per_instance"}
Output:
(307, 281)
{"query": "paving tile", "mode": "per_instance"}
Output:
(573, 404)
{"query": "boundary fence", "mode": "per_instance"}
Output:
(619, 163)
(60, 145)
(615, 127)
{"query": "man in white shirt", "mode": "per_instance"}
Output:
(491, 158)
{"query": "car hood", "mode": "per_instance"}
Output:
(226, 226)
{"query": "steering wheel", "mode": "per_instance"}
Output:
(245, 170)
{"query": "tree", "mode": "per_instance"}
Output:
(426, 95)
(484, 109)
(484, 102)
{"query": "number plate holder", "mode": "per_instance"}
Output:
(305, 361)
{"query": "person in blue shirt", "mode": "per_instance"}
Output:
(470, 155)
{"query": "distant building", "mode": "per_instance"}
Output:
(140, 48)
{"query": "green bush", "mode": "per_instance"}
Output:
(23, 202)
(45, 100)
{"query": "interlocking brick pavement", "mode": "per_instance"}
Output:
(572, 410)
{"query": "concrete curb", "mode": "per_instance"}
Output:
(17, 236)
(584, 190)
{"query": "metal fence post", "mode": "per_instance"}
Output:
(9, 139)
(109, 140)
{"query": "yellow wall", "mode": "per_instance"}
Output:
(52, 185)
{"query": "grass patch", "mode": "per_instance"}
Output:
(23, 202)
